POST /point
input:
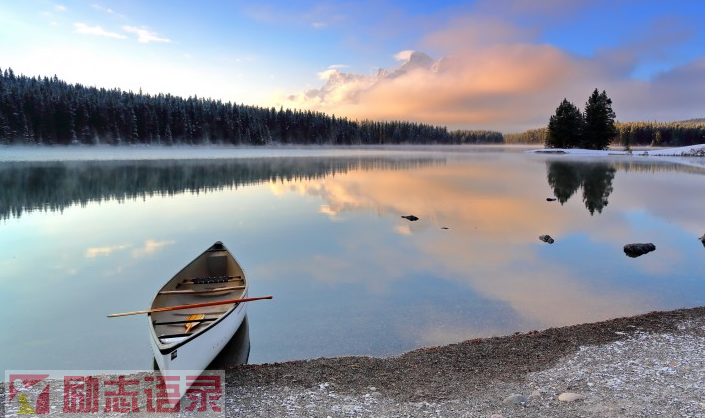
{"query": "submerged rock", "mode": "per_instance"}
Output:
(636, 250)
(410, 217)
(546, 238)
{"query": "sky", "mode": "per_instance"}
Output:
(502, 65)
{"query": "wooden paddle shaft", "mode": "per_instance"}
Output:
(194, 305)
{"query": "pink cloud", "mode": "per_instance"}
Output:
(496, 75)
(508, 86)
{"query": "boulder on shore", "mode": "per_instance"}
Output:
(636, 250)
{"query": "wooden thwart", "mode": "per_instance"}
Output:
(195, 292)
(183, 322)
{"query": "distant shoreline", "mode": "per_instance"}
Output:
(689, 151)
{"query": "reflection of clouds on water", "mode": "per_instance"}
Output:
(491, 247)
(104, 251)
(150, 247)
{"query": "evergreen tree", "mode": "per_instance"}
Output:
(565, 127)
(599, 129)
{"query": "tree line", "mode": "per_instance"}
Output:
(596, 128)
(49, 111)
(672, 134)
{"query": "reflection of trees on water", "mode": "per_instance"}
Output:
(28, 186)
(567, 177)
(564, 180)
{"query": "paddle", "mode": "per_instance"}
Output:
(193, 305)
(190, 325)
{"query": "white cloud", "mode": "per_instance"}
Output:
(144, 35)
(403, 55)
(325, 75)
(84, 29)
(60, 8)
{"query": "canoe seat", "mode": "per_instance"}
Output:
(183, 322)
(217, 262)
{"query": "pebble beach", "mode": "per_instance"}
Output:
(650, 365)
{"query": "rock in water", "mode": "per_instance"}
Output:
(636, 250)
(410, 217)
(546, 238)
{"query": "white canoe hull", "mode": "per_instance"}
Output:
(187, 340)
(199, 352)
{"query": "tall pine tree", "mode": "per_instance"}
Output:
(565, 127)
(599, 128)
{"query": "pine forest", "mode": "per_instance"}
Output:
(49, 111)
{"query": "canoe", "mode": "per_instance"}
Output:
(189, 339)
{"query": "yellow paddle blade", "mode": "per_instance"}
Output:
(195, 317)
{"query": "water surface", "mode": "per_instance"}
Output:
(97, 231)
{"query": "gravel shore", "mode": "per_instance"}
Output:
(642, 366)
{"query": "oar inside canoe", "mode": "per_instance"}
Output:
(193, 305)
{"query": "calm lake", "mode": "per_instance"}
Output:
(85, 232)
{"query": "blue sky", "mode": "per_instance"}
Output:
(502, 64)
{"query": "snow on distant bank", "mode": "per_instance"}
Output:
(689, 151)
